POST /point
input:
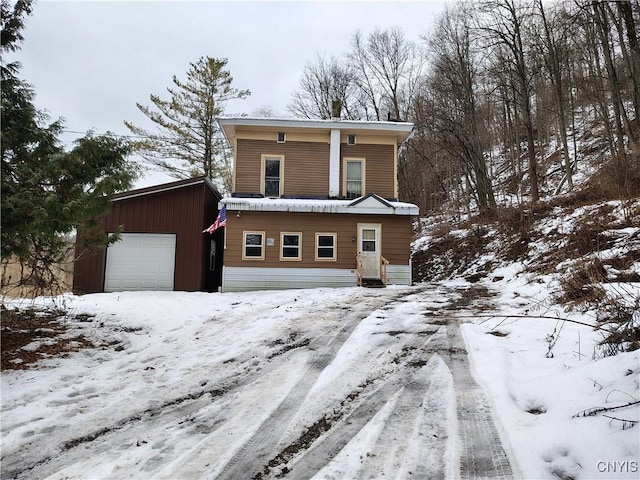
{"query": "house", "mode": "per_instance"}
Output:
(162, 245)
(315, 203)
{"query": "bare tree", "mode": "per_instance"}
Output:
(323, 81)
(554, 49)
(454, 83)
(388, 70)
(504, 24)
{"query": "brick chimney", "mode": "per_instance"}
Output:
(336, 107)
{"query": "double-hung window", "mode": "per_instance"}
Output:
(272, 173)
(253, 246)
(290, 246)
(326, 247)
(354, 177)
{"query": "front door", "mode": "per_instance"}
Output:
(369, 249)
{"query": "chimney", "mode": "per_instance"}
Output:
(336, 107)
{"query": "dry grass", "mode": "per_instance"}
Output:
(19, 282)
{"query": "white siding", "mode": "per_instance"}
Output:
(236, 279)
(399, 274)
(251, 278)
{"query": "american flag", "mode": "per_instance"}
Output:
(221, 221)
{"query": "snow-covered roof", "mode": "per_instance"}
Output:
(367, 205)
(401, 130)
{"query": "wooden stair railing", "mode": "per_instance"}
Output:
(383, 270)
(384, 277)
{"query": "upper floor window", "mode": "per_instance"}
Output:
(354, 177)
(272, 170)
(281, 137)
(351, 139)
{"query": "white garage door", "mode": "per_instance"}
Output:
(141, 261)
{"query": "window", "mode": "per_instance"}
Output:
(281, 137)
(351, 139)
(326, 247)
(290, 246)
(272, 169)
(354, 176)
(253, 247)
(368, 240)
(212, 256)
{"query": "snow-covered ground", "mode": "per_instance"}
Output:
(543, 373)
(322, 383)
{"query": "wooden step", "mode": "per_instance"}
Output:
(373, 283)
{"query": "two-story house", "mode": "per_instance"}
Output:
(315, 203)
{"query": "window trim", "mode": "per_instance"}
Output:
(290, 259)
(345, 161)
(334, 258)
(244, 244)
(263, 159)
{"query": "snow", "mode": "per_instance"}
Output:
(364, 205)
(182, 385)
(522, 377)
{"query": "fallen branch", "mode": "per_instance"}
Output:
(626, 423)
(596, 410)
(595, 327)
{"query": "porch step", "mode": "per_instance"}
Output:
(373, 283)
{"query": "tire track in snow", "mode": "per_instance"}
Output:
(403, 382)
(481, 452)
(415, 439)
(251, 458)
(42, 461)
(50, 457)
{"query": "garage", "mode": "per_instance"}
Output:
(141, 261)
(163, 246)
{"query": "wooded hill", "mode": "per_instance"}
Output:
(526, 150)
(500, 92)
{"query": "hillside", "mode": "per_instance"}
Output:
(584, 244)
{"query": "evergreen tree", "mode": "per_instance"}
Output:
(188, 141)
(47, 193)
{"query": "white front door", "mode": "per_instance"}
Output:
(369, 249)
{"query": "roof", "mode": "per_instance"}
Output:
(401, 130)
(165, 187)
(370, 204)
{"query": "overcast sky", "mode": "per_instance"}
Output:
(90, 62)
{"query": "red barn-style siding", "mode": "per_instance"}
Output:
(182, 208)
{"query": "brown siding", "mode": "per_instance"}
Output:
(306, 170)
(184, 211)
(396, 237)
(379, 167)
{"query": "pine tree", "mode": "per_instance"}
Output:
(188, 141)
(47, 193)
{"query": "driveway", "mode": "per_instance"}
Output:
(367, 384)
